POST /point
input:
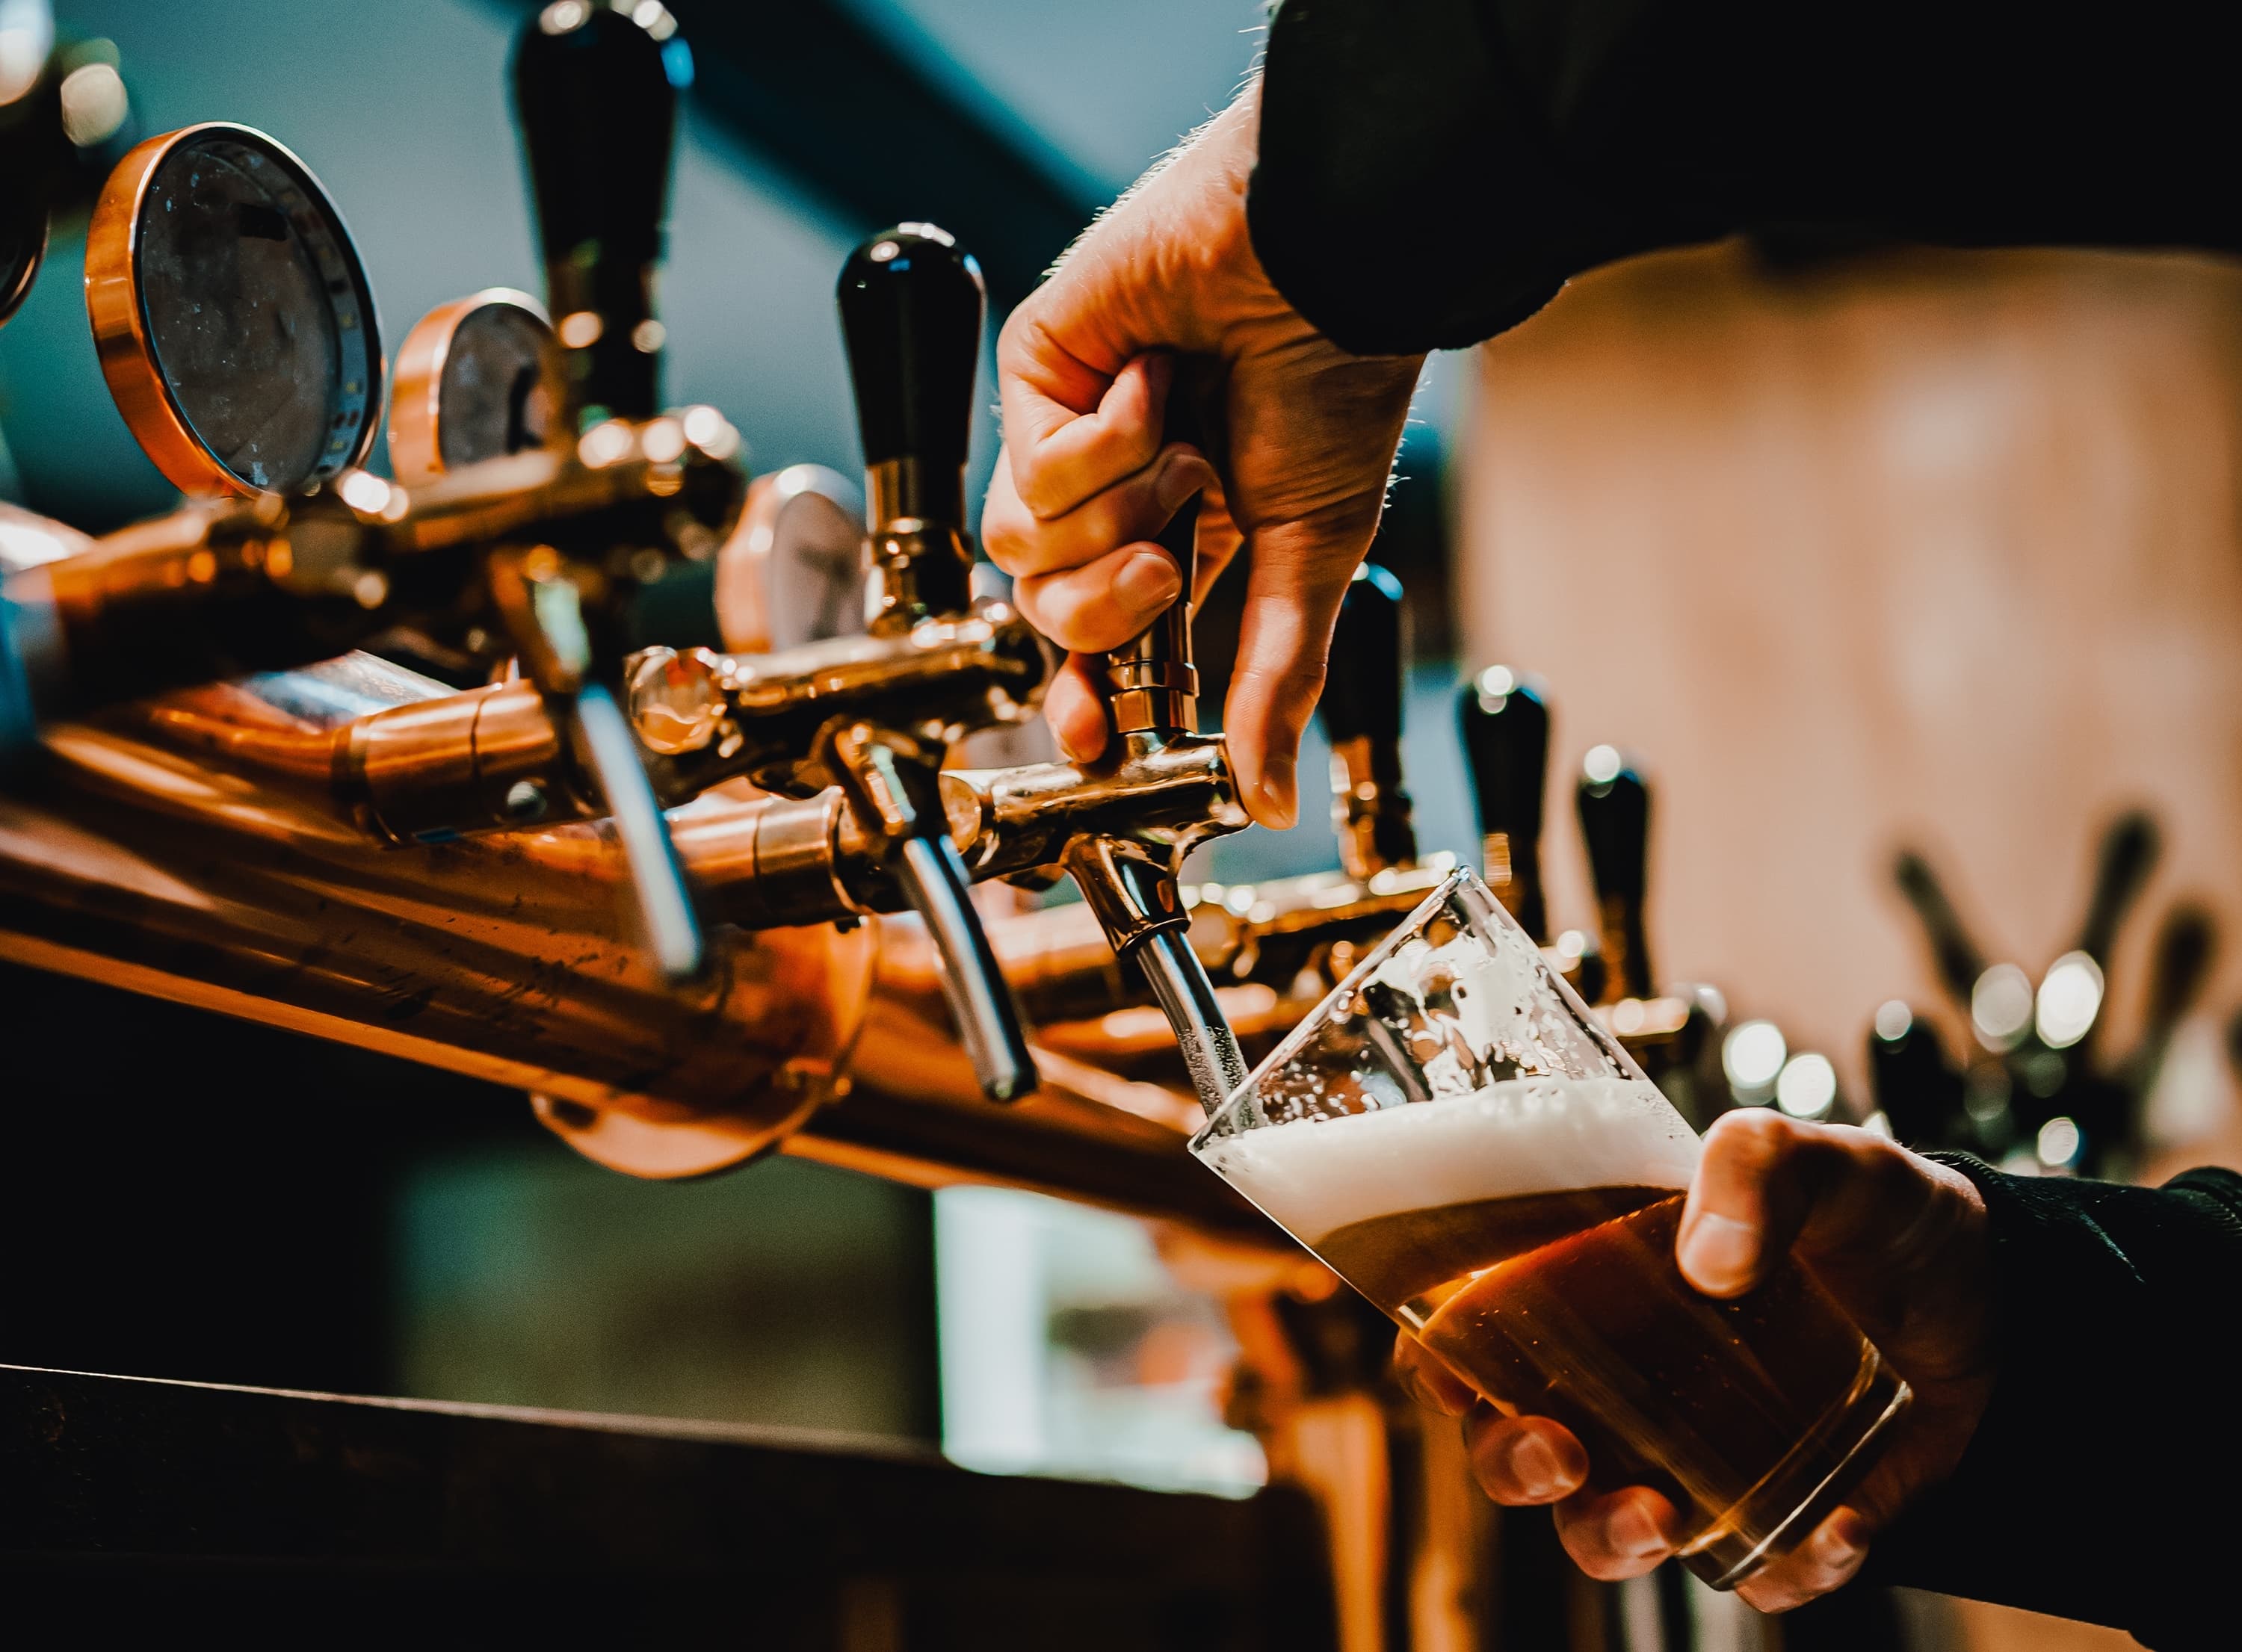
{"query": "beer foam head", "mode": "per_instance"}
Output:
(1521, 1136)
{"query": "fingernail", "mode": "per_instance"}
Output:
(1634, 1533)
(1181, 478)
(1146, 583)
(1276, 792)
(1719, 1252)
(1533, 1468)
(1841, 1540)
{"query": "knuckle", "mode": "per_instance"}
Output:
(1751, 1140)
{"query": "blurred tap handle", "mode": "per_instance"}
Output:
(1614, 809)
(595, 88)
(1914, 1083)
(1361, 706)
(1959, 959)
(912, 305)
(2179, 968)
(1505, 724)
(2127, 855)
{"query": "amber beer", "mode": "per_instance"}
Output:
(1525, 1233)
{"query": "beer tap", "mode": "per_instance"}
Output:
(911, 304)
(596, 93)
(1129, 876)
(1615, 810)
(1364, 689)
(1505, 724)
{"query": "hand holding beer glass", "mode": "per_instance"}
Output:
(1454, 1133)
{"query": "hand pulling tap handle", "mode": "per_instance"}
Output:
(1614, 806)
(911, 303)
(1361, 714)
(595, 88)
(1152, 692)
(1505, 725)
(1152, 680)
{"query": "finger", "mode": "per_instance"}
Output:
(1071, 435)
(1826, 1560)
(1105, 604)
(1616, 1534)
(1524, 1460)
(1136, 507)
(1767, 1181)
(1076, 711)
(1428, 1381)
(1297, 574)
(1216, 544)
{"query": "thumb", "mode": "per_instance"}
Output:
(1768, 1183)
(1297, 574)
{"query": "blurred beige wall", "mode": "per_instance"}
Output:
(1937, 546)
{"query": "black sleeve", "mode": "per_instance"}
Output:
(1432, 171)
(2102, 1482)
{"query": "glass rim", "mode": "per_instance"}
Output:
(1304, 1027)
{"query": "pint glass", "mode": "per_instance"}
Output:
(1457, 1136)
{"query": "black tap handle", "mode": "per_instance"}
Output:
(1505, 725)
(1363, 687)
(1615, 809)
(2128, 854)
(2179, 966)
(1915, 1086)
(911, 305)
(595, 89)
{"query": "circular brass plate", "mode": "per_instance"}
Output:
(232, 317)
(476, 380)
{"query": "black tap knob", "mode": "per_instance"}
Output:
(1361, 712)
(911, 305)
(1505, 724)
(1915, 1087)
(1615, 807)
(597, 92)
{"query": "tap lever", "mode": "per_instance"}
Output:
(544, 614)
(911, 302)
(1505, 723)
(973, 984)
(1615, 809)
(595, 88)
(893, 787)
(1361, 712)
(661, 900)
(1151, 682)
